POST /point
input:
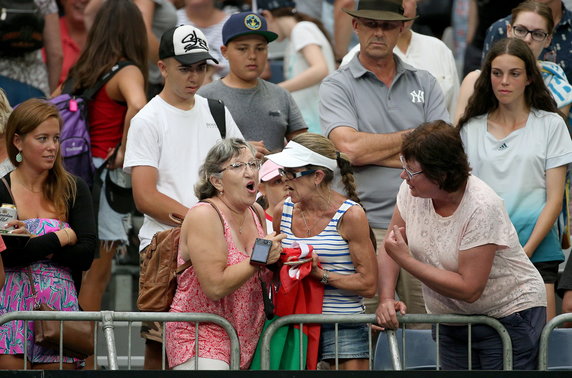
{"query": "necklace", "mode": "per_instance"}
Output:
(306, 223)
(20, 182)
(308, 228)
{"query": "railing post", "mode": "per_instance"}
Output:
(394, 349)
(107, 325)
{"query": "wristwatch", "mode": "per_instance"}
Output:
(325, 277)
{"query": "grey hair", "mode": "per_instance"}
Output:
(5, 110)
(221, 152)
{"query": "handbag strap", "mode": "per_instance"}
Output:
(32, 282)
(10, 193)
(220, 214)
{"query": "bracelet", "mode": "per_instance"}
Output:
(325, 277)
(67, 234)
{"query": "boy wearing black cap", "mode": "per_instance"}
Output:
(264, 112)
(167, 142)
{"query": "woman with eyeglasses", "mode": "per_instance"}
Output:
(518, 143)
(337, 227)
(451, 231)
(218, 236)
(533, 23)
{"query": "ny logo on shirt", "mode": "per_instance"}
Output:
(417, 96)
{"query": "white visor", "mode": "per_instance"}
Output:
(295, 155)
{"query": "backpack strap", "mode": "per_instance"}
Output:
(218, 113)
(88, 93)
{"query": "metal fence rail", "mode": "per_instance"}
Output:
(370, 318)
(545, 336)
(107, 319)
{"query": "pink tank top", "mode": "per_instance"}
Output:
(244, 309)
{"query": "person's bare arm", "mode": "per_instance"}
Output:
(147, 8)
(465, 92)
(206, 246)
(53, 46)
(466, 284)
(388, 269)
(368, 148)
(355, 229)
(343, 29)
(149, 200)
(317, 70)
(555, 178)
(261, 149)
(131, 87)
(293, 134)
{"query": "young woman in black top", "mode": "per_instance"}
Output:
(55, 210)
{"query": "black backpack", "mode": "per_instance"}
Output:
(21, 27)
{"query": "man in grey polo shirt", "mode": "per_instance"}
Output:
(366, 107)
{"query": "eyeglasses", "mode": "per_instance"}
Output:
(521, 32)
(407, 171)
(384, 25)
(289, 175)
(241, 166)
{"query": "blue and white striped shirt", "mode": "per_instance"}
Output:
(334, 255)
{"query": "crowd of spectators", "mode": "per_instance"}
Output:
(367, 172)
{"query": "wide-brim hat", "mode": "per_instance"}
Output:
(382, 10)
(187, 44)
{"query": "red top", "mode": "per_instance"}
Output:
(106, 118)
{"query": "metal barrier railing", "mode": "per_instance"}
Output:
(437, 319)
(371, 319)
(545, 337)
(107, 319)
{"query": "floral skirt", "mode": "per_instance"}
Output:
(55, 287)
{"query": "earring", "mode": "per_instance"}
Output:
(19, 157)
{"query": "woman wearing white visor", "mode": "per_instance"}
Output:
(336, 226)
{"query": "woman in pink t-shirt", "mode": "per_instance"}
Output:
(218, 236)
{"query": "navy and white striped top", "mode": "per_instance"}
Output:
(334, 255)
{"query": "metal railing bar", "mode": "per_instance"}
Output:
(545, 336)
(370, 318)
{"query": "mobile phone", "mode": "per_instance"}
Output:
(260, 251)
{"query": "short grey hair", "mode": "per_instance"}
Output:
(222, 151)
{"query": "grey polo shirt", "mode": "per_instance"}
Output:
(353, 96)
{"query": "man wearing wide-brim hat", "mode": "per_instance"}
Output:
(365, 108)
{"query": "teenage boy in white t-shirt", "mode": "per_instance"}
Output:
(167, 142)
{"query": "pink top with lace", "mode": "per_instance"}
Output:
(244, 309)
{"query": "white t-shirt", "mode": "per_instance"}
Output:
(429, 54)
(515, 168)
(307, 33)
(514, 284)
(175, 142)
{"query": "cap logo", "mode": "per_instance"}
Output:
(252, 22)
(192, 41)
